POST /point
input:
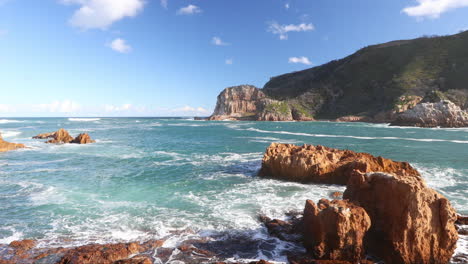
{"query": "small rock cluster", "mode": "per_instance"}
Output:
(62, 136)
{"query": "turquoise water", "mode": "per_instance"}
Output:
(146, 178)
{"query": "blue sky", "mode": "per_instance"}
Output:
(173, 57)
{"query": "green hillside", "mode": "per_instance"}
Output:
(373, 79)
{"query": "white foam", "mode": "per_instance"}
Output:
(15, 236)
(7, 121)
(10, 134)
(84, 119)
(355, 137)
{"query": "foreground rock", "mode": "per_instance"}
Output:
(62, 136)
(440, 114)
(25, 252)
(334, 230)
(7, 146)
(320, 164)
(411, 223)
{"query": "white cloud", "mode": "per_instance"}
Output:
(218, 41)
(189, 10)
(229, 61)
(303, 60)
(283, 30)
(286, 6)
(3, 32)
(124, 107)
(120, 45)
(164, 3)
(189, 110)
(66, 106)
(103, 13)
(433, 8)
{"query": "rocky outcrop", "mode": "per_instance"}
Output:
(83, 138)
(411, 223)
(441, 114)
(237, 102)
(334, 230)
(7, 146)
(62, 136)
(321, 164)
(25, 252)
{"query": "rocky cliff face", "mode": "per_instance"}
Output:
(238, 102)
(443, 113)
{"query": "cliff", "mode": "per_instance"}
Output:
(376, 84)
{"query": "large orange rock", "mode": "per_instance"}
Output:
(411, 223)
(320, 164)
(7, 146)
(334, 230)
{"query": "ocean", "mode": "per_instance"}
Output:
(179, 179)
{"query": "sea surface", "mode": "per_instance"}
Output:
(178, 178)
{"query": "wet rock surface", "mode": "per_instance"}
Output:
(319, 164)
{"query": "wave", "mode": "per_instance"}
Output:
(84, 119)
(6, 121)
(7, 134)
(355, 137)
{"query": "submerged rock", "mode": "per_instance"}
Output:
(7, 146)
(320, 164)
(440, 114)
(62, 136)
(334, 230)
(411, 223)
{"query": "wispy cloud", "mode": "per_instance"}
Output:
(3, 32)
(303, 60)
(164, 3)
(218, 42)
(101, 14)
(433, 8)
(120, 45)
(189, 10)
(229, 61)
(65, 106)
(189, 110)
(283, 30)
(286, 6)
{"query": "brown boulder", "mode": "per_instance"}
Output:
(7, 146)
(334, 230)
(108, 253)
(83, 138)
(411, 223)
(321, 164)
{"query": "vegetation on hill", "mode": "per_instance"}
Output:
(374, 79)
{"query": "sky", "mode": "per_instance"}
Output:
(173, 57)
